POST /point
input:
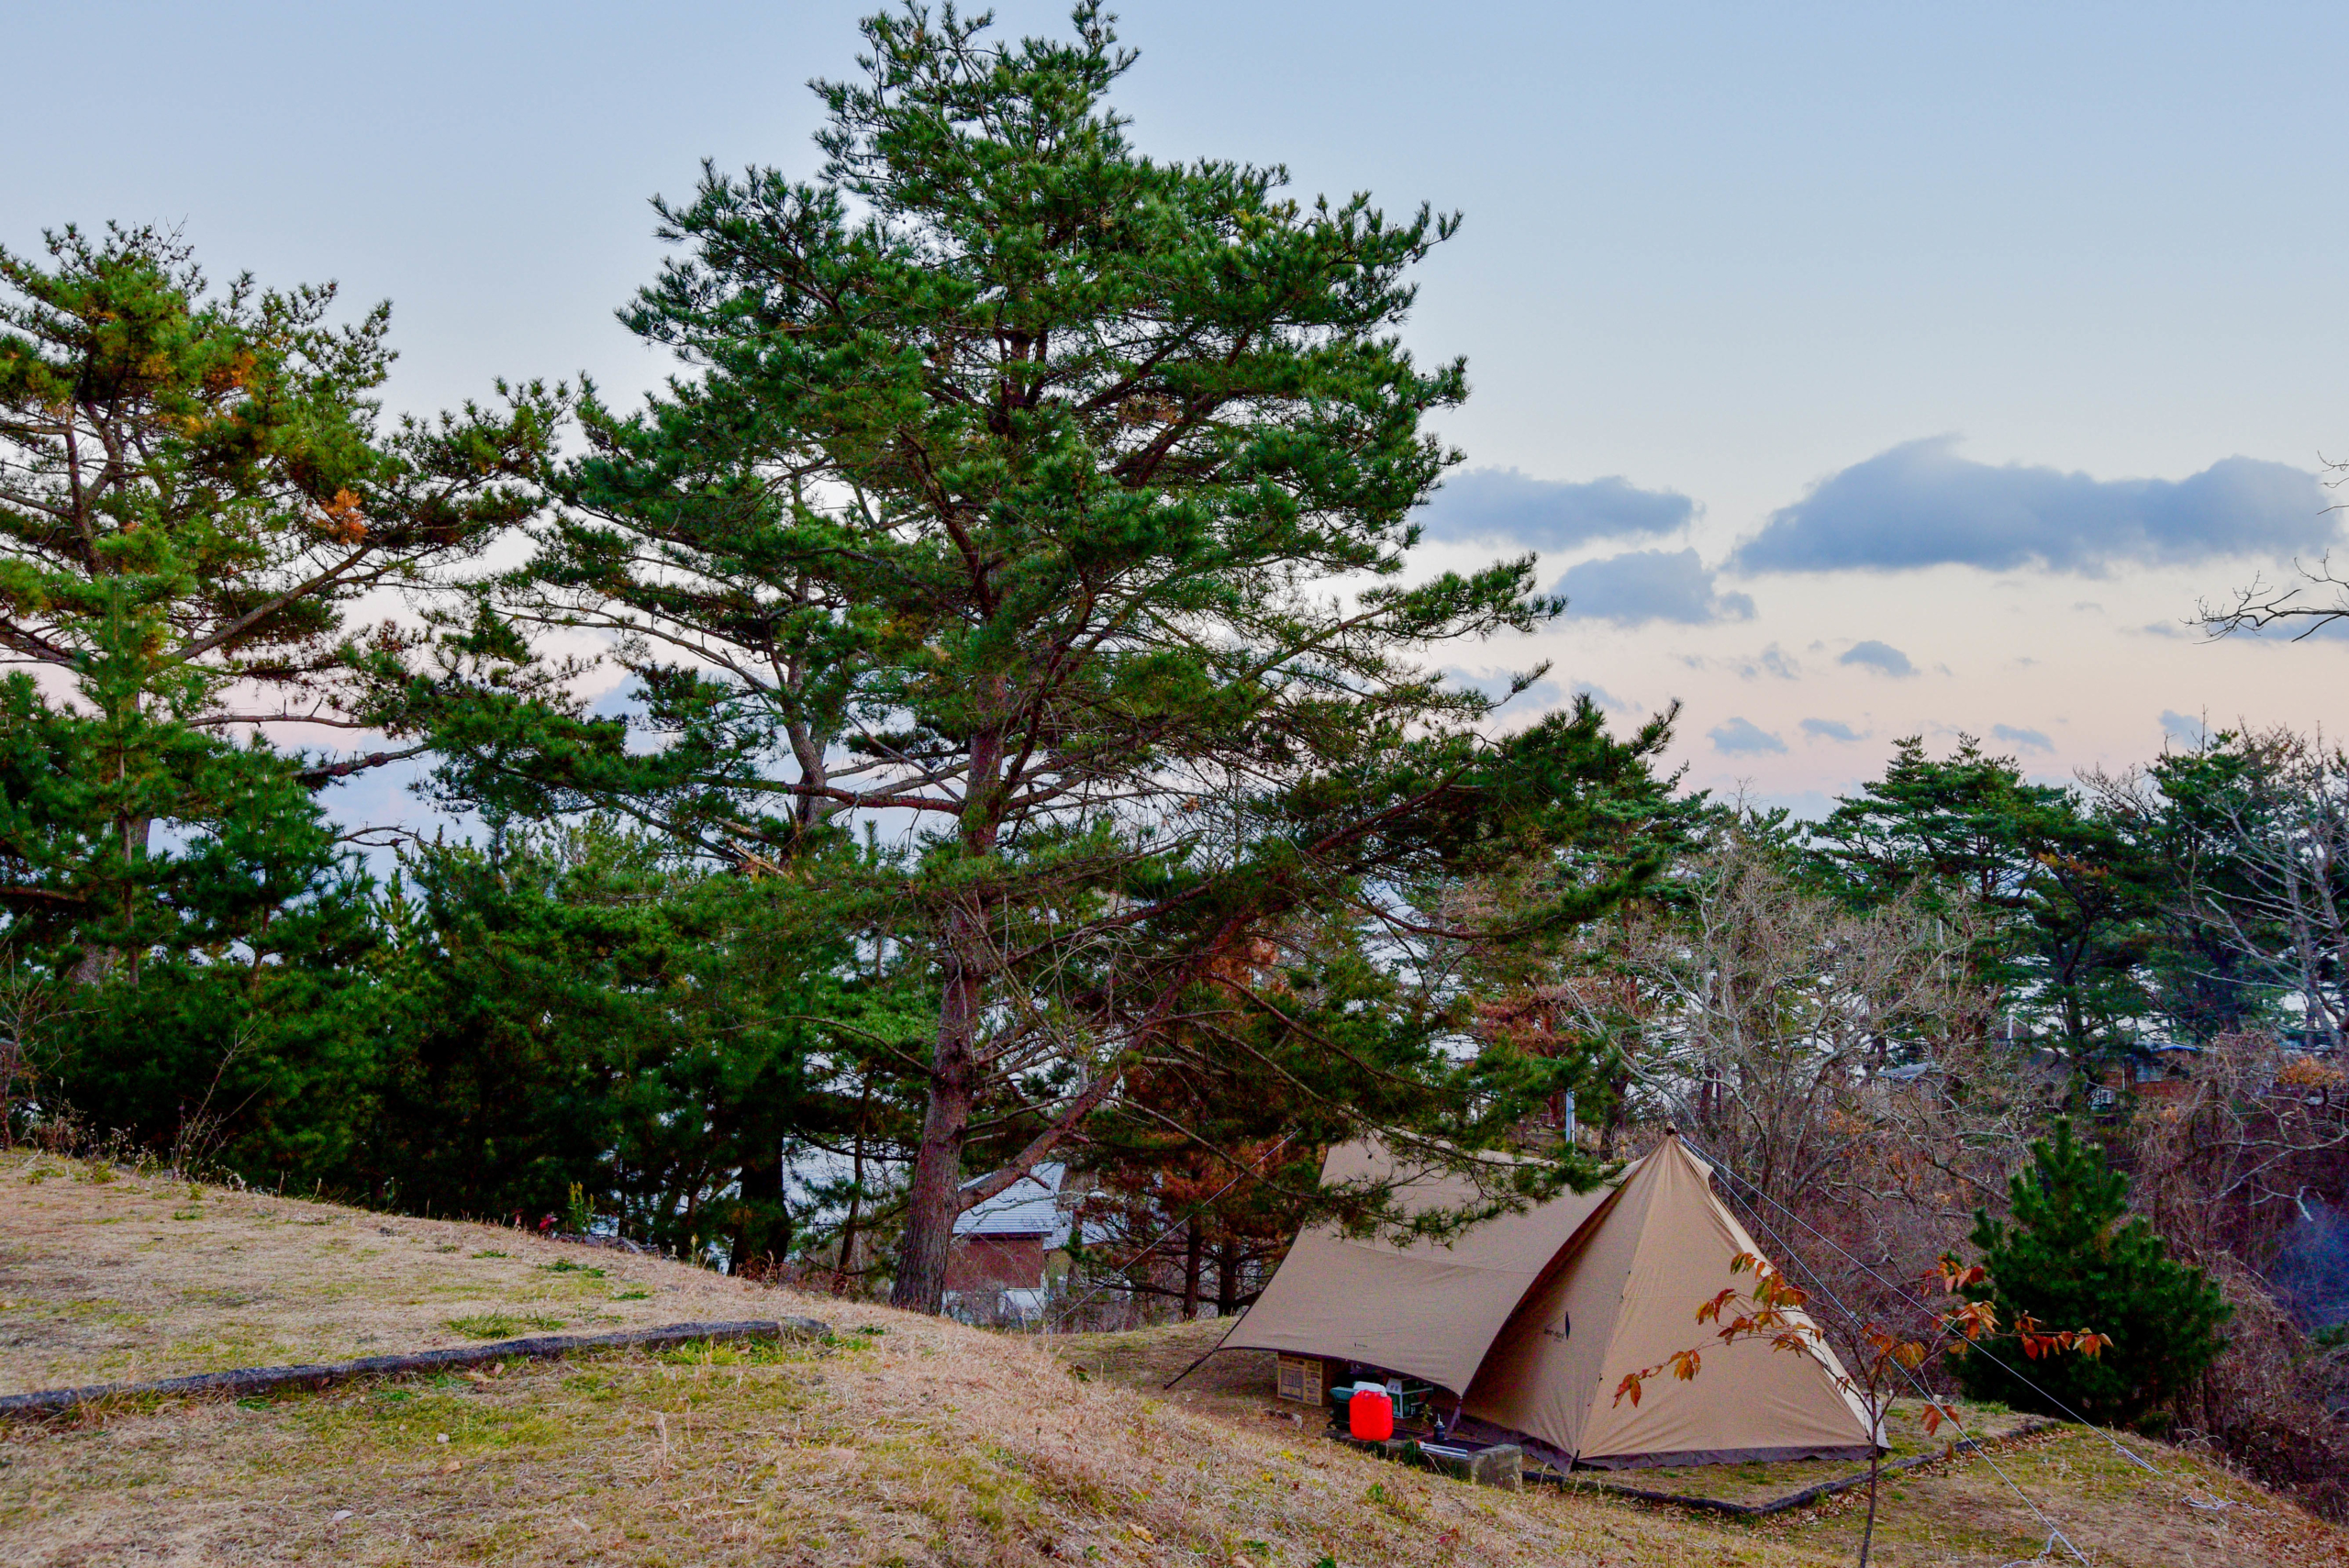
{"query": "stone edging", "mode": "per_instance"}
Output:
(1809, 1494)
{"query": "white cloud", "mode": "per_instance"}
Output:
(1737, 736)
(1650, 586)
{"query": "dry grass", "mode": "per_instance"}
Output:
(1962, 1512)
(1905, 1438)
(1959, 1512)
(903, 1441)
(133, 1277)
(915, 1451)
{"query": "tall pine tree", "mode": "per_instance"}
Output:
(196, 487)
(210, 470)
(1024, 493)
(2068, 897)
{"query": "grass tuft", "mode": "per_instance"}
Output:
(500, 1325)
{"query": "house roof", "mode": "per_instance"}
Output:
(1028, 1207)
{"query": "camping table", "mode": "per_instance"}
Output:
(1411, 1404)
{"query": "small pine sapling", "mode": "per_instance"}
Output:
(2073, 1252)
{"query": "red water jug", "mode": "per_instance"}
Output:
(1370, 1414)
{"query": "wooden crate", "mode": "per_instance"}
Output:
(1304, 1379)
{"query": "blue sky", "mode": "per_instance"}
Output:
(1858, 371)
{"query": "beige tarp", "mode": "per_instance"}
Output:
(1426, 1310)
(1533, 1318)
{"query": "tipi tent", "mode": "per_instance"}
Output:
(1533, 1318)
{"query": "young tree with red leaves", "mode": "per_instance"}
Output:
(1879, 1361)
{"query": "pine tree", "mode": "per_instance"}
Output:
(2073, 1257)
(209, 468)
(2068, 895)
(1054, 500)
(584, 1006)
(196, 487)
(212, 953)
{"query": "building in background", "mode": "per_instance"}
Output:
(1003, 1249)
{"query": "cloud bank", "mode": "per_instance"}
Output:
(1649, 584)
(2029, 739)
(1500, 504)
(1829, 730)
(1922, 505)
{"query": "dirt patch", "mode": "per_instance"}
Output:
(1230, 1383)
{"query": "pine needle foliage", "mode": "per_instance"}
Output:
(1050, 504)
(210, 469)
(2073, 1257)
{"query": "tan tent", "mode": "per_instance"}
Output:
(1533, 1318)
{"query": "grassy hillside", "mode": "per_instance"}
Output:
(900, 1440)
(109, 1277)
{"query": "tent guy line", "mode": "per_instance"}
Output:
(2016, 1372)
(2056, 1532)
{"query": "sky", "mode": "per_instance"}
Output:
(1856, 370)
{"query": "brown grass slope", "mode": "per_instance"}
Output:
(110, 1277)
(903, 1441)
